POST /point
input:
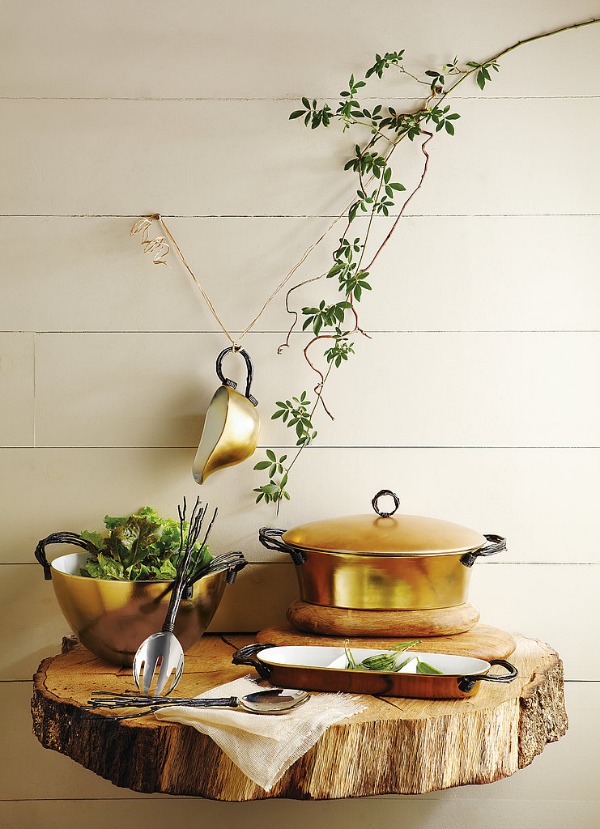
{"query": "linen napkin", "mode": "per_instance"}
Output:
(264, 746)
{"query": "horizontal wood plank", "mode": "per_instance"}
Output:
(528, 599)
(128, 50)
(479, 273)
(542, 500)
(458, 389)
(554, 603)
(131, 157)
(16, 389)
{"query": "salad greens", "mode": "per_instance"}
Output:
(140, 546)
(392, 660)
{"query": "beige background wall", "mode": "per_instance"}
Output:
(476, 400)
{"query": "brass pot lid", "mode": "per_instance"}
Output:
(384, 534)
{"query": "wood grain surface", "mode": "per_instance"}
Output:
(393, 746)
(482, 641)
(341, 621)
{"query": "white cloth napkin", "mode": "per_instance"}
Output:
(264, 746)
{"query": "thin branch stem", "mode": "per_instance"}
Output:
(318, 389)
(516, 45)
(423, 111)
(404, 206)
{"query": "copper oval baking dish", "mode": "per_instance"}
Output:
(309, 668)
(383, 561)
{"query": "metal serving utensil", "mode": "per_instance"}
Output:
(163, 650)
(272, 701)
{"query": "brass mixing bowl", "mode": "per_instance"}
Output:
(112, 618)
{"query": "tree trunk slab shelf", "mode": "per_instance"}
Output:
(394, 746)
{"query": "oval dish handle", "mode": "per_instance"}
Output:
(247, 656)
(466, 683)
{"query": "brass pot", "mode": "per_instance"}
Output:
(383, 562)
(112, 618)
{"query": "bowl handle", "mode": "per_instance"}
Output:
(270, 538)
(466, 683)
(58, 538)
(495, 545)
(231, 562)
(247, 656)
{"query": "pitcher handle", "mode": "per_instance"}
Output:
(249, 368)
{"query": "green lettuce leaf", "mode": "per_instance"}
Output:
(139, 546)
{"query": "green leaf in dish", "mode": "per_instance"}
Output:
(426, 668)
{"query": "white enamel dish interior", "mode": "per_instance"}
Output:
(305, 656)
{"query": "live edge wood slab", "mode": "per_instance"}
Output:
(395, 746)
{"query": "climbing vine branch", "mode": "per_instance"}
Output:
(333, 325)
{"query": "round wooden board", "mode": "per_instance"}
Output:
(483, 641)
(382, 750)
(339, 621)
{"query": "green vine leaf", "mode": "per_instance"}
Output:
(383, 63)
(376, 192)
(326, 316)
(483, 76)
(340, 351)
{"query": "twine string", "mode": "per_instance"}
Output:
(160, 247)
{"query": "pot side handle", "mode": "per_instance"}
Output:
(58, 538)
(270, 538)
(496, 543)
(466, 683)
(247, 656)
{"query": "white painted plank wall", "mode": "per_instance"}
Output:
(252, 50)
(106, 157)
(477, 398)
(483, 286)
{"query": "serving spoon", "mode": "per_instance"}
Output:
(160, 657)
(271, 701)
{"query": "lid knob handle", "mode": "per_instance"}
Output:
(378, 496)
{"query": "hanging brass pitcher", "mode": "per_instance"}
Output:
(231, 426)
